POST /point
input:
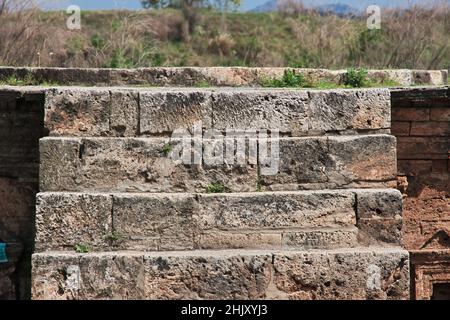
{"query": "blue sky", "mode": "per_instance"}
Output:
(246, 4)
(129, 4)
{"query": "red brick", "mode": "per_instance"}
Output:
(422, 148)
(440, 114)
(400, 128)
(408, 167)
(410, 114)
(430, 129)
(440, 165)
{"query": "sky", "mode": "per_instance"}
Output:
(129, 4)
(246, 4)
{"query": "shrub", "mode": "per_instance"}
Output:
(356, 78)
(289, 80)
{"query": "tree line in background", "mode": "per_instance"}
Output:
(189, 8)
(211, 33)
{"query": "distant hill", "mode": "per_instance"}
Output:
(336, 8)
(269, 6)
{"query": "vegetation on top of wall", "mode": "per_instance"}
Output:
(28, 80)
(353, 78)
(290, 79)
(416, 39)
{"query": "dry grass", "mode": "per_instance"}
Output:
(417, 38)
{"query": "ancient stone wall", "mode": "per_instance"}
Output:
(327, 225)
(21, 127)
(421, 122)
(212, 76)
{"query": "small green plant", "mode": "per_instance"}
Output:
(28, 80)
(356, 78)
(289, 80)
(203, 84)
(81, 248)
(166, 149)
(98, 42)
(216, 188)
(259, 185)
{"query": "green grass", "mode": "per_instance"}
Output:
(216, 188)
(354, 78)
(28, 80)
(166, 149)
(81, 248)
(203, 84)
(289, 80)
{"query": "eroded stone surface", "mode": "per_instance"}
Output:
(155, 222)
(131, 165)
(276, 210)
(334, 162)
(77, 112)
(330, 274)
(166, 112)
(119, 112)
(66, 220)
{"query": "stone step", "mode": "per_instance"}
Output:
(151, 164)
(357, 273)
(160, 111)
(215, 76)
(300, 219)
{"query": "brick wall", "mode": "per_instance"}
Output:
(421, 122)
(21, 126)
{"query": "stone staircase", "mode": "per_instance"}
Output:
(307, 212)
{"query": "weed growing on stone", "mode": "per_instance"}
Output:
(29, 80)
(203, 84)
(81, 248)
(166, 149)
(289, 80)
(356, 78)
(216, 188)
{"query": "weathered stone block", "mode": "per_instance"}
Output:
(112, 276)
(64, 220)
(348, 274)
(334, 162)
(321, 238)
(380, 231)
(124, 116)
(167, 111)
(336, 110)
(131, 165)
(155, 221)
(241, 110)
(359, 273)
(220, 240)
(65, 276)
(59, 163)
(366, 158)
(276, 210)
(302, 112)
(373, 204)
(77, 112)
(56, 276)
(207, 275)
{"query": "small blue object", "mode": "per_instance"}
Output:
(3, 256)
